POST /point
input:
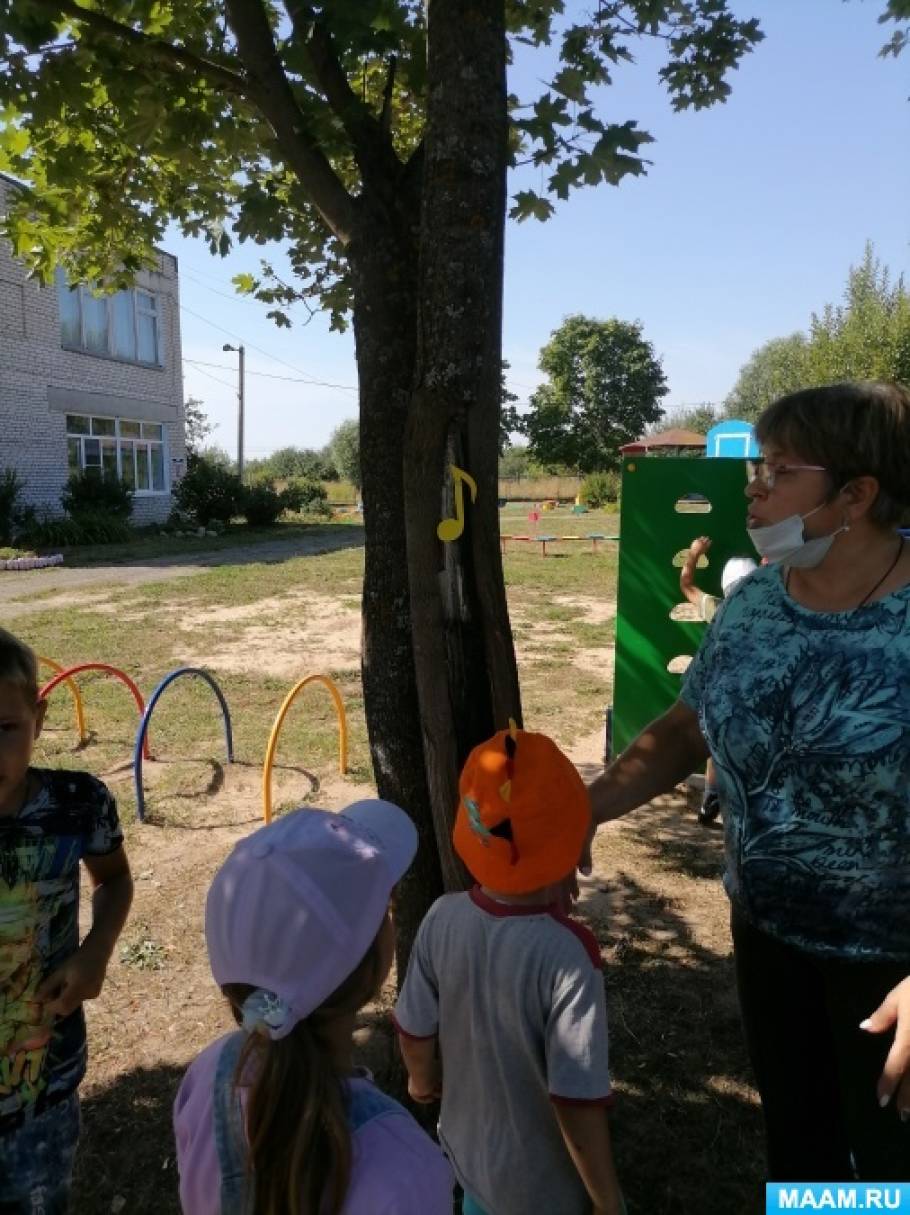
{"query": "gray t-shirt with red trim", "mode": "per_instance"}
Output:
(516, 996)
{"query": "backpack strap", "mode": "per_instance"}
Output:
(237, 1182)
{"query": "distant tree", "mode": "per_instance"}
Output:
(605, 385)
(509, 418)
(868, 336)
(774, 369)
(515, 462)
(217, 457)
(345, 448)
(198, 426)
(865, 337)
(699, 418)
(301, 462)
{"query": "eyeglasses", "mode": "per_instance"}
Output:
(769, 474)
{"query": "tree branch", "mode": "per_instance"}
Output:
(276, 100)
(370, 142)
(165, 52)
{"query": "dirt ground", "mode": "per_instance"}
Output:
(686, 1126)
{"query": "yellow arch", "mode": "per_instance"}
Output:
(276, 730)
(76, 694)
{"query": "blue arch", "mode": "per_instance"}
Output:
(144, 725)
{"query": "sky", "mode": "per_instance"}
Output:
(747, 221)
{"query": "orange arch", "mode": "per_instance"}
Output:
(74, 692)
(276, 730)
(63, 676)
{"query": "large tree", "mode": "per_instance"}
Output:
(372, 137)
(604, 386)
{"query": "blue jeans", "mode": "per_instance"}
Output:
(36, 1161)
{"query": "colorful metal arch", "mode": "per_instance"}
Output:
(276, 730)
(74, 692)
(64, 676)
(141, 734)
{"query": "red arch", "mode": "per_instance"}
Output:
(100, 666)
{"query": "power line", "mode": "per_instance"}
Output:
(274, 357)
(217, 380)
(214, 290)
(271, 376)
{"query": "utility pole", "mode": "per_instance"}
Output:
(242, 353)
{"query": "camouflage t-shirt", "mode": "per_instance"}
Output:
(72, 815)
(807, 716)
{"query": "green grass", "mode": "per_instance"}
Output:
(236, 535)
(145, 638)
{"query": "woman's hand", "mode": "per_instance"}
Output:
(894, 1011)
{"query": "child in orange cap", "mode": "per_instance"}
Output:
(504, 996)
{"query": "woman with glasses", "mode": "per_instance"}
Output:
(800, 693)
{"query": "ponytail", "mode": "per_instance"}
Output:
(296, 1114)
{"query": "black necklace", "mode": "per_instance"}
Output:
(887, 574)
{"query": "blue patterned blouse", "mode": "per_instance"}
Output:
(807, 715)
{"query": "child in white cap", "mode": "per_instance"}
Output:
(275, 1119)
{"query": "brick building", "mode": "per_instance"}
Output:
(90, 382)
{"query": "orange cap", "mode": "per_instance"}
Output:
(523, 813)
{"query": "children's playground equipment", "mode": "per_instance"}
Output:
(594, 538)
(74, 692)
(732, 439)
(141, 749)
(276, 730)
(142, 732)
(65, 676)
(665, 503)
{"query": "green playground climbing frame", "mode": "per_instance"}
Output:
(653, 532)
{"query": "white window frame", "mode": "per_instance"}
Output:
(146, 306)
(123, 442)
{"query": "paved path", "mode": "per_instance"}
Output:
(19, 588)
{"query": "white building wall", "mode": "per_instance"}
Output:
(40, 382)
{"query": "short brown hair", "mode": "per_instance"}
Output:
(18, 664)
(855, 429)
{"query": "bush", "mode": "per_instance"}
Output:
(14, 516)
(305, 496)
(89, 528)
(600, 488)
(97, 493)
(262, 504)
(209, 492)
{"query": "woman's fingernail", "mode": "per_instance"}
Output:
(585, 871)
(905, 1115)
(867, 1024)
(884, 1099)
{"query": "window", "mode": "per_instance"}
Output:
(121, 326)
(133, 450)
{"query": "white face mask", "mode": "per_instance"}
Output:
(786, 541)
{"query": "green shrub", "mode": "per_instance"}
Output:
(14, 515)
(305, 496)
(95, 492)
(600, 488)
(262, 504)
(89, 528)
(209, 492)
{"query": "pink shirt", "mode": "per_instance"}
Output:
(396, 1168)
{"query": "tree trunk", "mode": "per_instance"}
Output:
(467, 680)
(384, 265)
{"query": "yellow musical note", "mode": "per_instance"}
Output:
(450, 529)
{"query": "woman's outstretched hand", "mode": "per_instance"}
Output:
(894, 1012)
